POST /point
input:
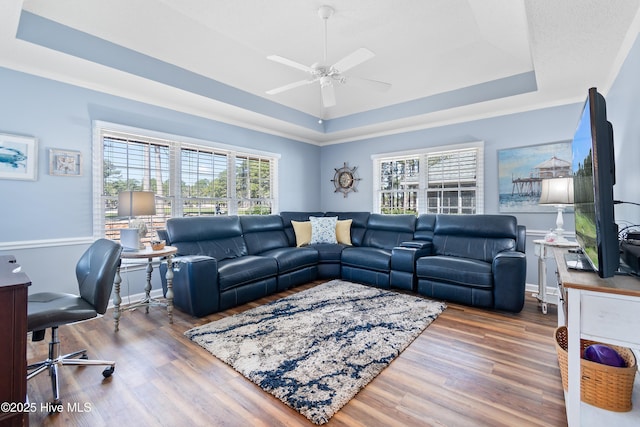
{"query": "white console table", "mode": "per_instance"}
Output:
(603, 310)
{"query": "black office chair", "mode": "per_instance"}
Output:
(95, 272)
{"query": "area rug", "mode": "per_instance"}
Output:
(316, 349)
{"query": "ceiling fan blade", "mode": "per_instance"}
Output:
(290, 86)
(290, 63)
(353, 59)
(371, 84)
(328, 95)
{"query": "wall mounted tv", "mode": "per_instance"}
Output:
(593, 180)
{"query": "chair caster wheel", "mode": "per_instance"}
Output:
(108, 371)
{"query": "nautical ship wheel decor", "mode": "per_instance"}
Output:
(345, 179)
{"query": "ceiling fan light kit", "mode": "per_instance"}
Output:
(328, 75)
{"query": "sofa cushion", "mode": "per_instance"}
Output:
(263, 233)
(455, 270)
(388, 231)
(479, 237)
(343, 231)
(323, 229)
(302, 230)
(329, 252)
(358, 224)
(289, 258)
(368, 258)
(287, 217)
(247, 269)
(425, 224)
(219, 237)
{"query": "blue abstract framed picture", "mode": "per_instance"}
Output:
(521, 170)
(18, 157)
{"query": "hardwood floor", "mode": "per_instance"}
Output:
(470, 367)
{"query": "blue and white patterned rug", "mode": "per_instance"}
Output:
(316, 349)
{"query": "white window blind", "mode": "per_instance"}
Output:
(204, 182)
(254, 183)
(451, 182)
(438, 180)
(187, 177)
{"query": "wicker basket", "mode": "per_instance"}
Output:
(606, 387)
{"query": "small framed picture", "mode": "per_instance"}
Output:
(65, 162)
(18, 157)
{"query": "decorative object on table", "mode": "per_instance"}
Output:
(18, 157)
(312, 361)
(345, 179)
(156, 245)
(607, 387)
(132, 204)
(521, 171)
(65, 162)
(559, 193)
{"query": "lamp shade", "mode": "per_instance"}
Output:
(134, 203)
(557, 191)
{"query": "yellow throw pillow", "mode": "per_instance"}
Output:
(302, 229)
(343, 231)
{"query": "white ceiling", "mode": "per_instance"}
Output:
(426, 49)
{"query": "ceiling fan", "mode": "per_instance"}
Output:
(328, 75)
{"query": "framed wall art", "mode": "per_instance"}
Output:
(521, 171)
(65, 162)
(18, 157)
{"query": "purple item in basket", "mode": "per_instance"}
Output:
(600, 353)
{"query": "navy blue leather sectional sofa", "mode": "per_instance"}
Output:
(225, 261)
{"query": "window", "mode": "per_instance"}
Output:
(432, 181)
(188, 177)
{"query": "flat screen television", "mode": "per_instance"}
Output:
(593, 168)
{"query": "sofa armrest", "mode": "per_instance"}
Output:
(404, 258)
(509, 280)
(521, 241)
(417, 244)
(195, 284)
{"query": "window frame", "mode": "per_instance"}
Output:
(422, 155)
(176, 143)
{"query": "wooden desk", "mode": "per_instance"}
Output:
(149, 254)
(13, 336)
(603, 310)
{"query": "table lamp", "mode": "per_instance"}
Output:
(132, 204)
(557, 192)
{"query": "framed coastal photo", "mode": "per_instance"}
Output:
(65, 162)
(18, 157)
(521, 171)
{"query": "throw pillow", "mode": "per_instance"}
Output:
(323, 229)
(343, 231)
(302, 229)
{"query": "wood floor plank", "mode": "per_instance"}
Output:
(470, 367)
